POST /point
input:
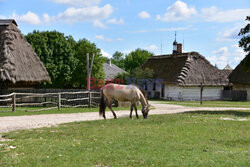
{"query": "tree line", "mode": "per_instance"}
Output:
(65, 59)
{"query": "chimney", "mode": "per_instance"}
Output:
(109, 62)
(179, 48)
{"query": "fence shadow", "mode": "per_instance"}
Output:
(233, 113)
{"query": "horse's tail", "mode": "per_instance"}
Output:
(102, 106)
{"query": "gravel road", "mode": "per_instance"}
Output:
(10, 123)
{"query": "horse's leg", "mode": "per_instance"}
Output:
(110, 107)
(131, 110)
(104, 116)
(136, 111)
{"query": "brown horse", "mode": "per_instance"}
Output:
(123, 93)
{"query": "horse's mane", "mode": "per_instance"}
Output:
(144, 92)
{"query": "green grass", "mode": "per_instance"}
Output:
(53, 111)
(188, 139)
(244, 104)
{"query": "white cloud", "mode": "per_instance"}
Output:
(120, 39)
(230, 34)
(102, 38)
(93, 13)
(114, 21)
(46, 18)
(238, 54)
(29, 17)
(78, 3)
(144, 15)
(223, 51)
(151, 47)
(2, 17)
(163, 29)
(99, 24)
(213, 14)
(105, 54)
(224, 55)
(178, 11)
(71, 15)
(126, 51)
(221, 57)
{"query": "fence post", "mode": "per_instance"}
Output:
(201, 90)
(89, 99)
(59, 101)
(14, 102)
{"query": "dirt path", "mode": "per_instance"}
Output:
(10, 123)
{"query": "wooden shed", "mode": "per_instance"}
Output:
(19, 64)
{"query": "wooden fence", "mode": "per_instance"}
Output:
(234, 95)
(48, 101)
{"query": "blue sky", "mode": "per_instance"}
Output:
(209, 27)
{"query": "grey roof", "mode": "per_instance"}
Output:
(111, 70)
(5, 22)
(228, 67)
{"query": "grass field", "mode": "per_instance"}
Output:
(55, 111)
(236, 104)
(187, 139)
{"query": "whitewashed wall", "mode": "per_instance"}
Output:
(152, 92)
(243, 87)
(191, 93)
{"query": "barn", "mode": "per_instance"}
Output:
(20, 67)
(240, 78)
(182, 75)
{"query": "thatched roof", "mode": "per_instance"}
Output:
(186, 69)
(240, 74)
(18, 61)
(111, 70)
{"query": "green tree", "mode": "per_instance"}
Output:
(83, 47)
(56, 52)
(136, 58)
(245, 43)
(118, 59)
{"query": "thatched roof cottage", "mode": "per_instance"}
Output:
(240, 77)
(19, 64)
(183, 73)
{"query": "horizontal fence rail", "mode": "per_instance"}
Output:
(47, 101)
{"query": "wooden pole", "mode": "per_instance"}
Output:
(14, 102)
(201, 93)
(59, 101)
(88, 78)
(89, 69)
(89, 99)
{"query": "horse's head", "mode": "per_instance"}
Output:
(145, 111)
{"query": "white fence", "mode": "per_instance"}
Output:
(47, 101)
